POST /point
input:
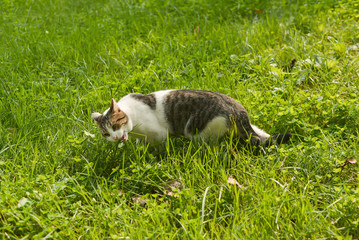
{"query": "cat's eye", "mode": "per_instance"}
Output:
(114, 127)
(106, 134)
(118, 120)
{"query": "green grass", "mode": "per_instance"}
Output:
(62, 60)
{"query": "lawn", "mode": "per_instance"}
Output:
(62, 60)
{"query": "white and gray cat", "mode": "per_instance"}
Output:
(204, 114)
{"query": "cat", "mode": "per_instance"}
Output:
(192, 113)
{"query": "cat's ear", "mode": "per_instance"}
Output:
(96, 116)
(114, 106)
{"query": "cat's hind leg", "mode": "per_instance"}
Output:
(214, 130)
(244, 129)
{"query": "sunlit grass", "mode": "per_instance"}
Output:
(62, 60)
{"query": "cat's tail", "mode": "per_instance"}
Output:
(267, 140)
(277, 139)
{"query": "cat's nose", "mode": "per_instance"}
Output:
(115, 138)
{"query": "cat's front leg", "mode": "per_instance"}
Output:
(156, 137)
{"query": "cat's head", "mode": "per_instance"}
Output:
(114, 124)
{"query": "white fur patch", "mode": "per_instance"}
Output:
(262, 134)
(147, 123)
(215, 129)
(160, 108)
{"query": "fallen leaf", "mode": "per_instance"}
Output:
(173, 187)
(22, 202)
(119, 193)
(349, 161)
(258, 11)
(89, 134)
(352, 160)
(233, 181)
(172, 194)
(11, 131)
(197, 31)
(139, 200)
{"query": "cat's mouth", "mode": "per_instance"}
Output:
(124, 137)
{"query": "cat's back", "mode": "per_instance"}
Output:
(191, 96)
(198, 100)
(154, 101)
(194, 109)
(185, 100)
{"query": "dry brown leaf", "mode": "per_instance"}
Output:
(233, 181)
(139, 200)
(352, 160)
(172, 194)
(197, 31)
(349, 161)
(11, 131)
(173, 187)
(258, 11)
(119, 193)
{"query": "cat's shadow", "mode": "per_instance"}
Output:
(123, 155)
(140, 168)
